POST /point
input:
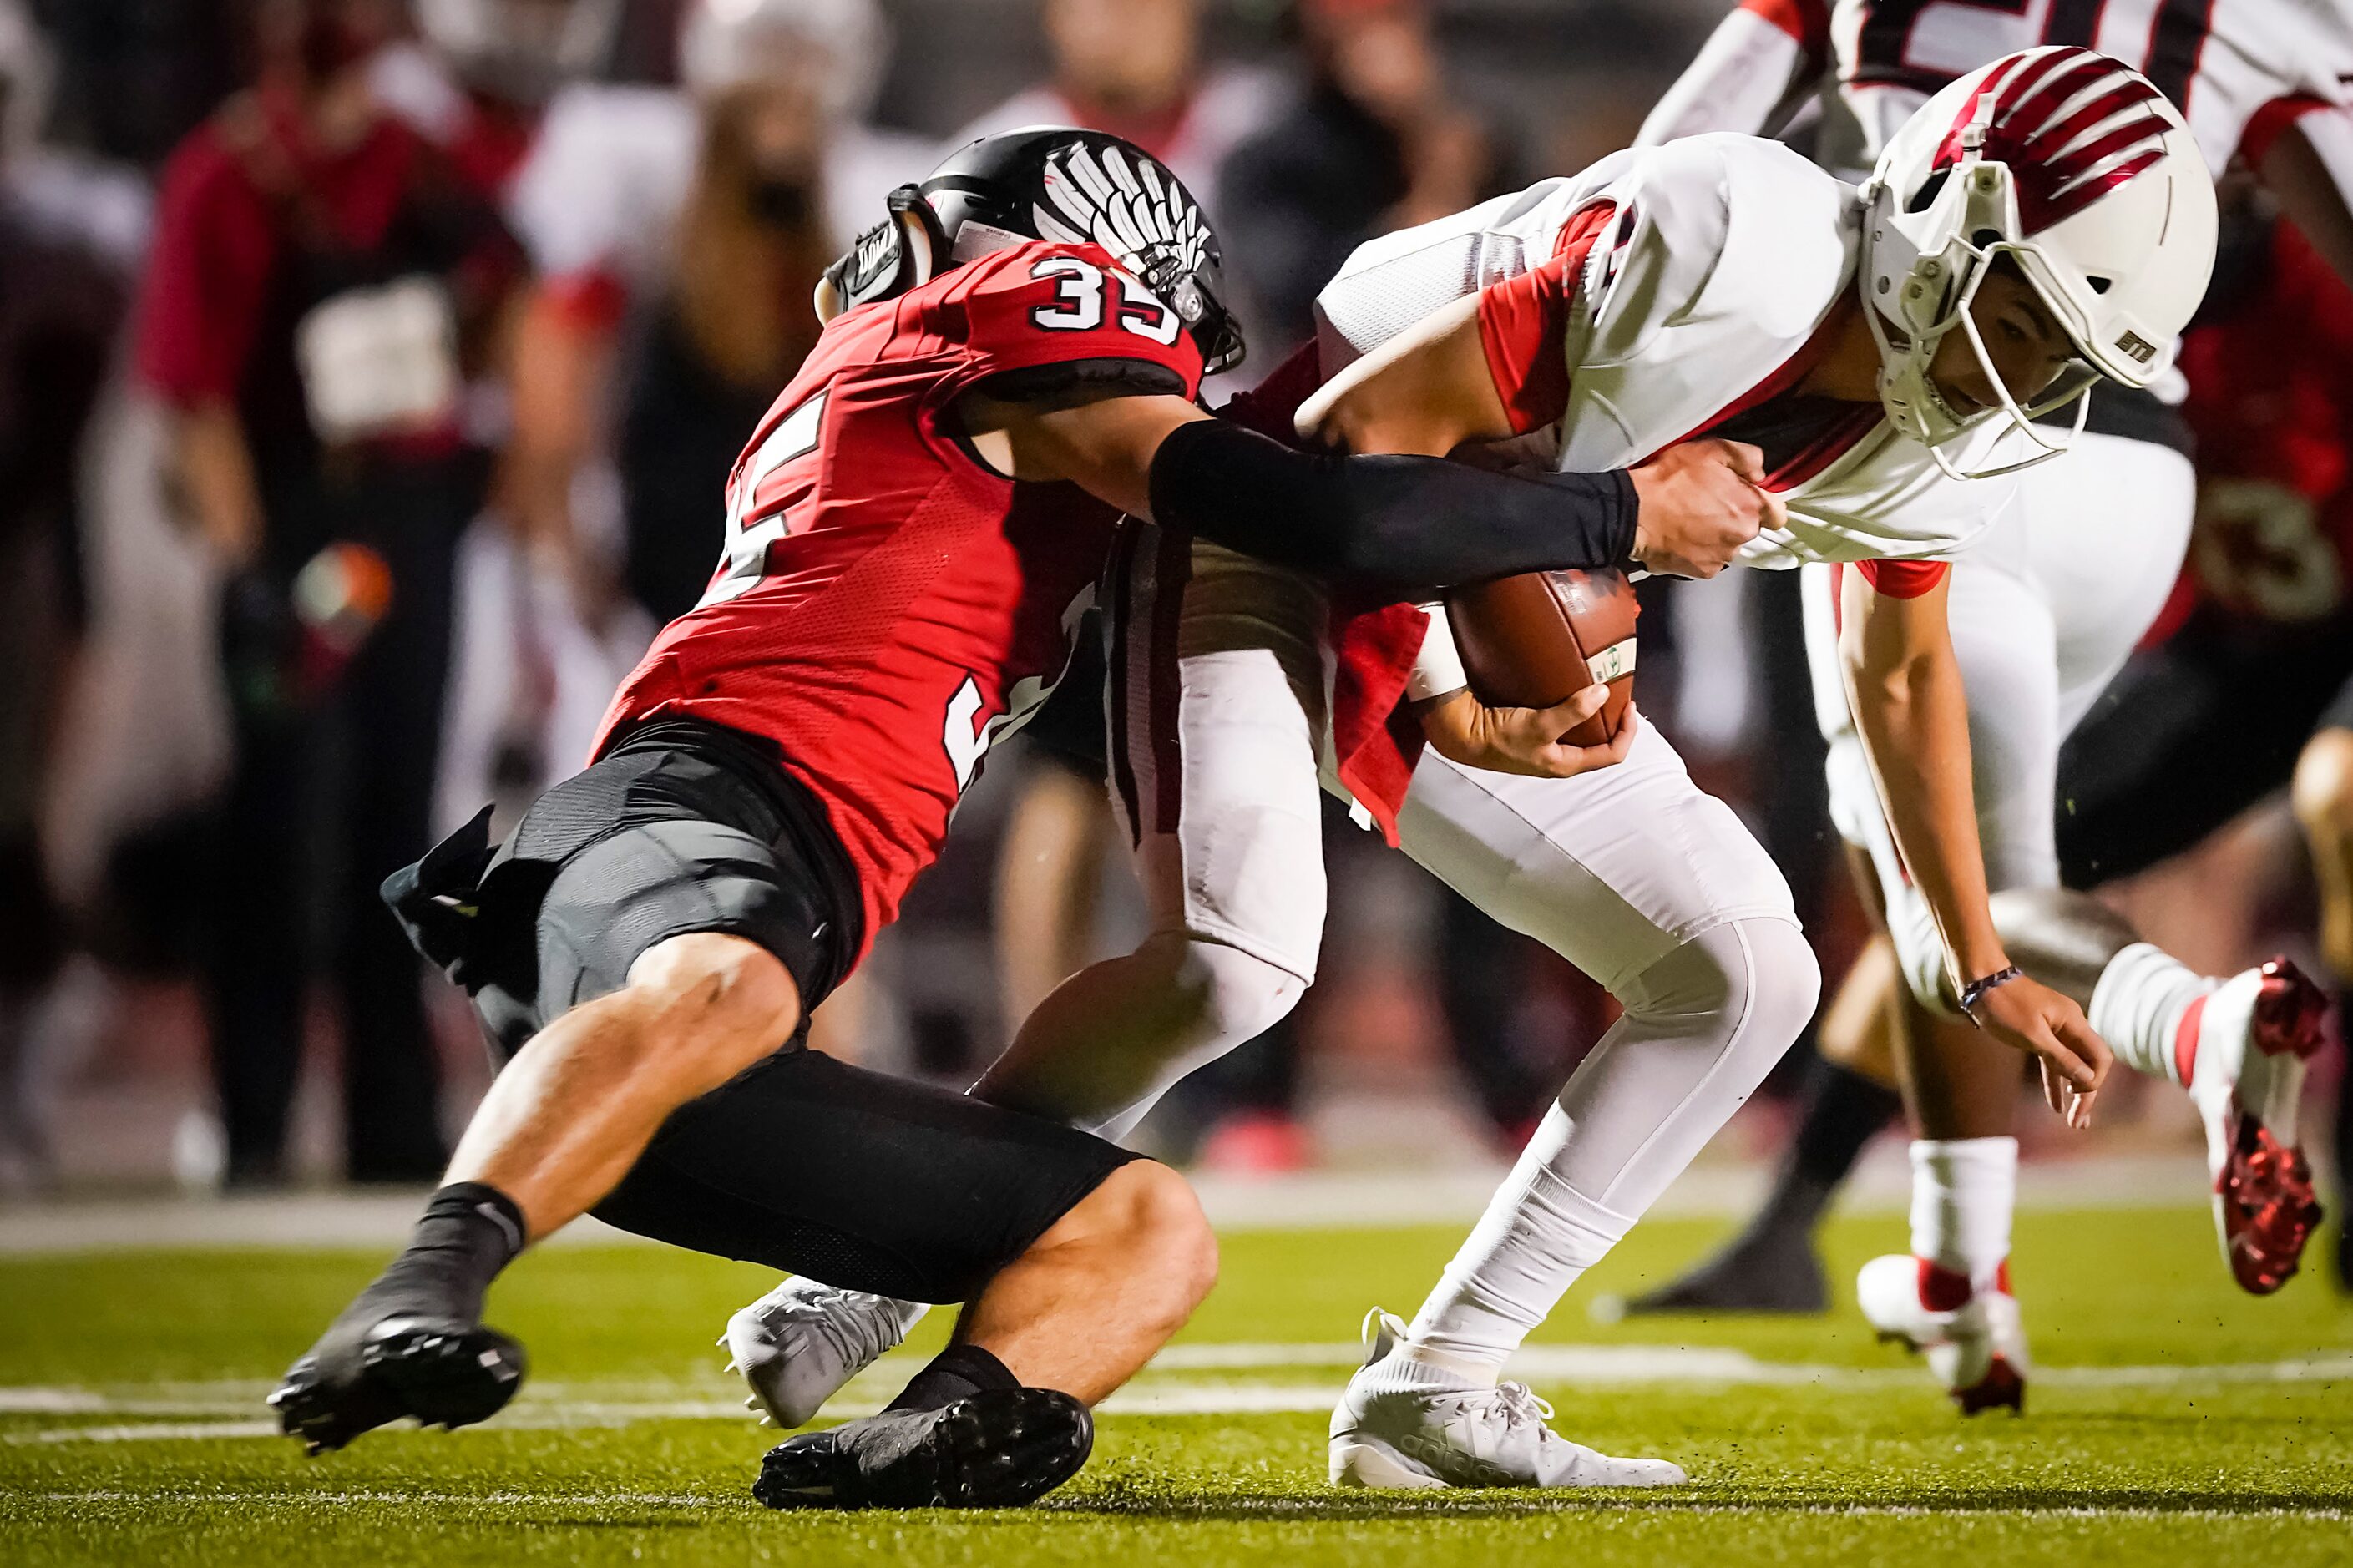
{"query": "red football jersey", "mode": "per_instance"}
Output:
(888, 604)
(2270, 399)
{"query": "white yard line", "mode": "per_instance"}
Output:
(197, 1411)
(148, 1432)
(1636, 1365)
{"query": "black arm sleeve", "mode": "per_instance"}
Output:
(1406, 526)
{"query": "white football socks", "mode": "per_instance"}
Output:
(1537, 1236)
(1703, 1026)
(2138, 1005)
(1963, 1190)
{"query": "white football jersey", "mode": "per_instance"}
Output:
(1724, 255)
(2222, 62)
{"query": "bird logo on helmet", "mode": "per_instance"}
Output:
(1112, 196)
(1056, 183)
(2076, 168)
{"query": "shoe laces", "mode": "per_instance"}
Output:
(1517, 1405)
(846, 1320)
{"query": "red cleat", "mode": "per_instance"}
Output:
(1974, 1341)
(2248, 1042)
(2001, 1388)
(2264, 1204)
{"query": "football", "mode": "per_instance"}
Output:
(1530, 641)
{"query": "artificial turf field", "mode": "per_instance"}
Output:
(2174, 1421)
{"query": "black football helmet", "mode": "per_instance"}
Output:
(1047, 182)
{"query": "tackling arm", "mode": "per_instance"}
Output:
(1432, 389)
(1368, 518)
(1905, 687)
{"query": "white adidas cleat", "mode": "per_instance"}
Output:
(1386, 1435)
(796, 1345)
(1976, 1349)
(2253, 1035)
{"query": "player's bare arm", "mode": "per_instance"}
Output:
(215, 470)
(1912, 713)
(1426, 390)
(1905, 686)
(1527, 740)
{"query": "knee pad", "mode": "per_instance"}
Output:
(1760, 975)
(1703, 1026)
(1232, 997)
(1785, 978)
(1243, 994)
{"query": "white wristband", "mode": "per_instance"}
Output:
(1437, 667)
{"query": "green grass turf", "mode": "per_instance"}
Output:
(2204, 1470)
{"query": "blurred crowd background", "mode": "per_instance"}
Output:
(369, 373)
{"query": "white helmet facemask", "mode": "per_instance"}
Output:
(2073, 168)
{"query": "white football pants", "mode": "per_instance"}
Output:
(1631, 873)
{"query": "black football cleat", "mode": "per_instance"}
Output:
(999, 1449)
(438, 1371)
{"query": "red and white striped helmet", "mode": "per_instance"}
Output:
(2075, 165)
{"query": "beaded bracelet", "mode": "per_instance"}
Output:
(1974, 991)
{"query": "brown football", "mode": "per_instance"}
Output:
(1530, 641)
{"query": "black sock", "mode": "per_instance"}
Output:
(1844, 1110)
(466, 1234)
(954, 1372)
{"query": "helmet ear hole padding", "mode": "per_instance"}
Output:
(901, 252)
